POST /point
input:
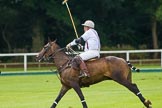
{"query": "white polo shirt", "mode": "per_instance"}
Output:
(92, 45)
(92, 40)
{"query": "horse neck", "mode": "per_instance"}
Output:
(60, 58)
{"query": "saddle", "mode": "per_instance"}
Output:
(74, 65)
(92, 59)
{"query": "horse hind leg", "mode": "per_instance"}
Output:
(126, 81)
(133, 88)
(129, 77)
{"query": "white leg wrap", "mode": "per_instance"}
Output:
(138, 93)
(55, 103)
(83, 101)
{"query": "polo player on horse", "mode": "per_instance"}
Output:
(91, 48)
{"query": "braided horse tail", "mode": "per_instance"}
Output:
(132, 67)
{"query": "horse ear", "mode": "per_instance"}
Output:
(55, 40)
(49, 40)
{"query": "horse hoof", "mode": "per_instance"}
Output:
(148, 103)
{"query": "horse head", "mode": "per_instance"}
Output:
(47, 51)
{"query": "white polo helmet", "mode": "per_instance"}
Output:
(89, 23)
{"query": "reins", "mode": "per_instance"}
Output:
(52, 57)
(68, 52)
(65, 65)
(58, 51)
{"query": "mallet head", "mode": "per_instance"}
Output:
(65, 1)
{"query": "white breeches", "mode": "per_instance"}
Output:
(90, 54)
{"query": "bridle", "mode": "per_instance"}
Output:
(46, 48)
(52, 56)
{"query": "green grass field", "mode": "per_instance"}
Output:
(39, 91)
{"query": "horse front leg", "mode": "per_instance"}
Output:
(78, 90)
(62, 92)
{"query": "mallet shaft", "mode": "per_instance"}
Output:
(65, 2)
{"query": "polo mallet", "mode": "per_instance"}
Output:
(65, 2)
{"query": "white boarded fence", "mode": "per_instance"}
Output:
(127, 52)
(24, 55)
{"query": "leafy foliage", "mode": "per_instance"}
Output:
(118, 22)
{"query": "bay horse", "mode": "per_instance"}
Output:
(105, 68)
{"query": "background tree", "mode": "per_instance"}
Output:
(25, 25)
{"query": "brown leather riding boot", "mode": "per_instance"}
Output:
(83, 68)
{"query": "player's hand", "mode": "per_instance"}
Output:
(68, 46)
(80, 47)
